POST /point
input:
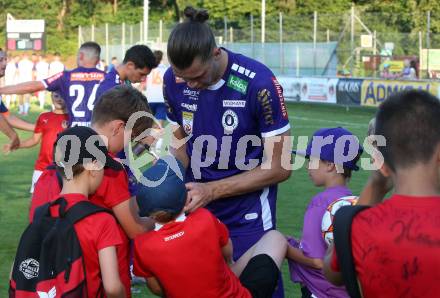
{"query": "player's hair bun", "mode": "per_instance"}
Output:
(196, 15)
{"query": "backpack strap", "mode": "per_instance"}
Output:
(59, 178)
(83, 209)
(342, 240)
(41, 211)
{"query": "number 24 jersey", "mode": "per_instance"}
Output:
(78, 89)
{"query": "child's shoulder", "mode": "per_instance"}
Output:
(329, 195)
(202, 214)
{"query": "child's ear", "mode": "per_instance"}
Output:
(118, 127)
(385, 170)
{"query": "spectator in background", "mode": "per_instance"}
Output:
(154, 93)
(154, 87)
(409, 72)
(113, 64)
(56, 66)
(11, 77)
(102, 65)
(386, 74)
(42, 72)
(25, 74)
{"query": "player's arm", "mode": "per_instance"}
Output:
(335, 277)
(178, 146)
(9, 132)
(20, 123)
(32, 141)
(108, 262)
(23, 88)
(375, 190)
(28, 143)
(154, 286)
(227, 252)
(127, 214)
(297, 255)
(277, 153)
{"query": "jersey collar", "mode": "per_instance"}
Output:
(180, 218)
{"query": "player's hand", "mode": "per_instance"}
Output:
(199, 195)
(6, 148)
(13, 145)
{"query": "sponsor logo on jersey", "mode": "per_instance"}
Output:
(192, 94)
(237, 84)
(229, 121)
(179, 80)
(86, 76)
(279, 91)
(189, 107)
(242, 70)
(234, 103)
(264, 98)
(54, 77)
(174, 236)
(251, 216)
(187, 122)
(29, 268)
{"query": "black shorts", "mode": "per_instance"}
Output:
(260, 276)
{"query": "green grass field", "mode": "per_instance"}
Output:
(16, 173)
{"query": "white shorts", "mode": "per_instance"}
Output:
(35, 178)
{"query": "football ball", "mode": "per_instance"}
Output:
(327, 219)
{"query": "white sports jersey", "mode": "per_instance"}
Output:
(11, 73)
(154, 91)
(55, 67)
(42, 69)
(25, 68)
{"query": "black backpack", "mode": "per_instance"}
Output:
(49, 261)
(342, 240)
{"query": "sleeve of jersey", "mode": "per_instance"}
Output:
(271, 110)
(107, 233)
(221, 229)
(116, 190)
(172, 111)
(139, 268)
(38, 128)
(54, 82)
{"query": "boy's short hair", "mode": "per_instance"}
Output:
(409, 121)
(92, 49)
(119, 103)
(141, 56)
(159, 55)
(77, 146)
(166, 196)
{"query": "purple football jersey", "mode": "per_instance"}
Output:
(226, 123)
(111, 80)
(78, 89)
(313, 245)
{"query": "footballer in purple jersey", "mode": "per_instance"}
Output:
(228, 107)
(78, 89)
(222, 120)
(138, 62)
